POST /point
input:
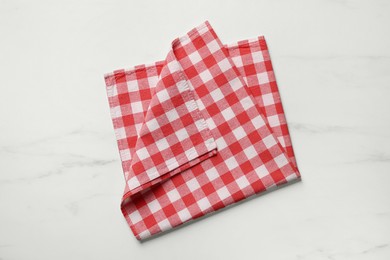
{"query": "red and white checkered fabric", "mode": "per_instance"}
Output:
(201, 130)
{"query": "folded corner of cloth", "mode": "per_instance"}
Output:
(198, 131)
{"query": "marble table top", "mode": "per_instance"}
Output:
(60, 174)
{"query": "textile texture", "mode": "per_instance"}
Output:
(198, 131)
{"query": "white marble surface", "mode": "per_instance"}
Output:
(60, 174)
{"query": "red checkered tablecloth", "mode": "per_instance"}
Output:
(198, 131)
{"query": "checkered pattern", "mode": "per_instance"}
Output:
(252, 59)
(199, 131)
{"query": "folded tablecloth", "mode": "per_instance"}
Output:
(198, 131)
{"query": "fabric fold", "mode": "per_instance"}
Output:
(173, 136)
(199, 131)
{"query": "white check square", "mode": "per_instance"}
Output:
(231, 163)
(228, 114)
(152, 124)
(182, 134)
(142, 153)
(268, 99)
(269, 141)
(213, 46)
(154, 206)
(173, 195)
(193, 184)
(242, 182)
(257, 57)
(120, 133)
(239, 133)
(172, 115)
(223, 193)
(224, 65)
(133, 183)
(135, 216)
(205, 76)
(136, 107)
(261, 171)
(263, 77)
(125, 154)
(195, 57)
(281, 160)
(273, 120)
(163, 95)
(212, 173)
(164, 225)
(250, 152)
(217, 95)
(184, 214)
(162, 144)
(204, 204)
